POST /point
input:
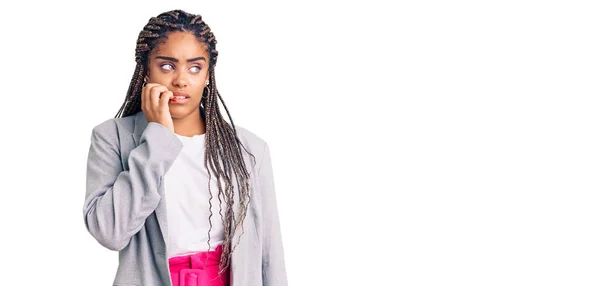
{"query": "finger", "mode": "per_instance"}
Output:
(165, 97)
(145, 95)
(154, 96)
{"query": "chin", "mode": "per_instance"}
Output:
(181, 112)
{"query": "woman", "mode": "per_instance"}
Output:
(184, 196)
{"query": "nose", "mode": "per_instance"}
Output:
(180, 80)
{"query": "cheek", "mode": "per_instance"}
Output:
(157, 76)
(204, 76)
(200, 79)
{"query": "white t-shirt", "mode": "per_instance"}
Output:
(187, 201)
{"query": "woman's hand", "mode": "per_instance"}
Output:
(155, 104)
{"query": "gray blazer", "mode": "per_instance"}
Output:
(123, 209)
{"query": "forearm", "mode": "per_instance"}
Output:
(119, 201)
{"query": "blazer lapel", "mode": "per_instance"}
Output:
(140, 123)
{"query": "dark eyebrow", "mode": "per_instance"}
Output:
(176, 60)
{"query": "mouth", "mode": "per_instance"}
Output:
(180, 97)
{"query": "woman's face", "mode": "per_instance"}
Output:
(181, 65)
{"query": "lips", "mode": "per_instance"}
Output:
(180, 98)
(180, 95)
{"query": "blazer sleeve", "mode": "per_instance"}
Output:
(117, 201)
(273, 265)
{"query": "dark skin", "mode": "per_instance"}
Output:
(176, 68)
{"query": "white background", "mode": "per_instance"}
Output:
(426, 143)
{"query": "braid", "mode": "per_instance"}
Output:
(222, 141)
(223, 149)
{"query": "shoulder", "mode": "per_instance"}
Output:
(113, 126)
(254, 143)
(247, 136)
(250, 139)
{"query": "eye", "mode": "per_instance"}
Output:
(195, 69)
(167, 67)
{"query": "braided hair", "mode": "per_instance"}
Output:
(223, 155)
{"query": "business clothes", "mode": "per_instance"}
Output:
(124, 210)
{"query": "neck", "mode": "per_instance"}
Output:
(190, 125)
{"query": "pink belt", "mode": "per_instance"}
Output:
(200, 269)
